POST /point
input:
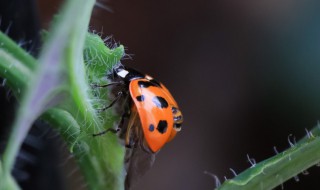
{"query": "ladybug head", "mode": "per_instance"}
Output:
(177, 118)
(126, 74)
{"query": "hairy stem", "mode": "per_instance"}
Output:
(277, 169)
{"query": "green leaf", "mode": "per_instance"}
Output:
(100, 58)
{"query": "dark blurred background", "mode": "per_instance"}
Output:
(245, 74)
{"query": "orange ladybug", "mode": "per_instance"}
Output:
(153, 115)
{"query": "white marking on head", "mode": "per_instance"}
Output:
(149, 77)
(123, 73)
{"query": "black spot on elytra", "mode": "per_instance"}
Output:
(160, 102)
(151, 127)
(162, 126)
(145, 84)
(140, 98)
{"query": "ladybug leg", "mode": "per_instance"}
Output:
(130, 144)
(120, 94)
(106, 131)
(120, 83)
(126, 112)
(131, 130)
(129, 140)
(124, 116)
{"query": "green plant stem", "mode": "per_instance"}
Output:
(61, 80)
(20, 54)
(102, 164)
(49, 77)
(100, 159)
(16, 73)
(276, 170)
(64, 122)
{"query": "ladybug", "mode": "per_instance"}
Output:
(152, 108)
(153, 118)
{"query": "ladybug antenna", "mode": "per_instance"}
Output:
(120, 70)
(113, 73)
(119, 65)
